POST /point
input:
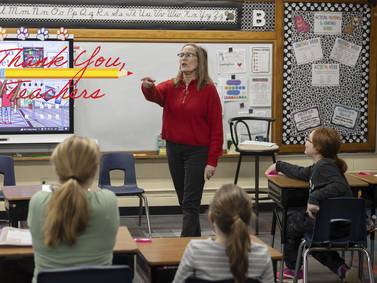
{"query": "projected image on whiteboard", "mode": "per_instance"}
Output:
(34, 106)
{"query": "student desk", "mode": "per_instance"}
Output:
(159, 259)
(370, 194)
(124, 244)
(124, 251)
(17, 201)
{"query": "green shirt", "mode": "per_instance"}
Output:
(93, 247)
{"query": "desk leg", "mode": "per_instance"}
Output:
(273, 225)
(283, 232)
(373, 212)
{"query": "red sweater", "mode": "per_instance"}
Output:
(190, 116)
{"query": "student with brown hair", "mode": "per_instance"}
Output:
(73, 225)
(326, 179)
(192, 127)
(230, 254)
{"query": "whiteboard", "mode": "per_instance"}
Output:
(123, 119)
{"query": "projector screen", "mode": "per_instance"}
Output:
(35, 111)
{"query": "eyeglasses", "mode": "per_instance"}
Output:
(308, 140)
(186, 55)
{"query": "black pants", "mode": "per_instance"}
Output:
(298, 224)
(186, 165)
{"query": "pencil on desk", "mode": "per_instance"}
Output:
(63, 73)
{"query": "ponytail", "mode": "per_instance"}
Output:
(231, 211)
(67, 214)
(237, 248)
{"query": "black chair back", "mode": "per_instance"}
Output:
(7, 170)
(340, 222)
(91, 274)
(123, 161)
(243, 126)
(198, 280)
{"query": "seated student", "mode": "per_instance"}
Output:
(73, 225)
(327, 180)
(230, 254)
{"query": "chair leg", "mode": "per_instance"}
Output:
(369, 262)
(256, 178)
(146, 206)
(298, 260)
(361, 264)
(238, 169)
(305, 259)
(140, 209)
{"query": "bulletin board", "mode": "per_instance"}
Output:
(326, 73)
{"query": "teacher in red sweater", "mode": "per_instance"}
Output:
(192, 127)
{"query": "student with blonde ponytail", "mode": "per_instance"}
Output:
(73, 225)
(327, 180)
(230, 254)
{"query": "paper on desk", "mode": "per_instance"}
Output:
(270, 144)
(15, 237)
(46, 188)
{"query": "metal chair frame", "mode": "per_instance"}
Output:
(336, 228)
(125, 162)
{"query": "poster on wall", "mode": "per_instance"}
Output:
(261, 60)
(231, 61)
(260, 91)
(325, 75)
(307, 119)
(328, 23)
(344, 116)
(307, 51)
(345, 52)
(233, 88)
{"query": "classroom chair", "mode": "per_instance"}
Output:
(7, 170)
(198, 280)
(250, 136)
(92, 274)
(340, 225)
(125, 162)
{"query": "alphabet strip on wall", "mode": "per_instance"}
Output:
(209, 15)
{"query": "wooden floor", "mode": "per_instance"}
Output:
(170, 225)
